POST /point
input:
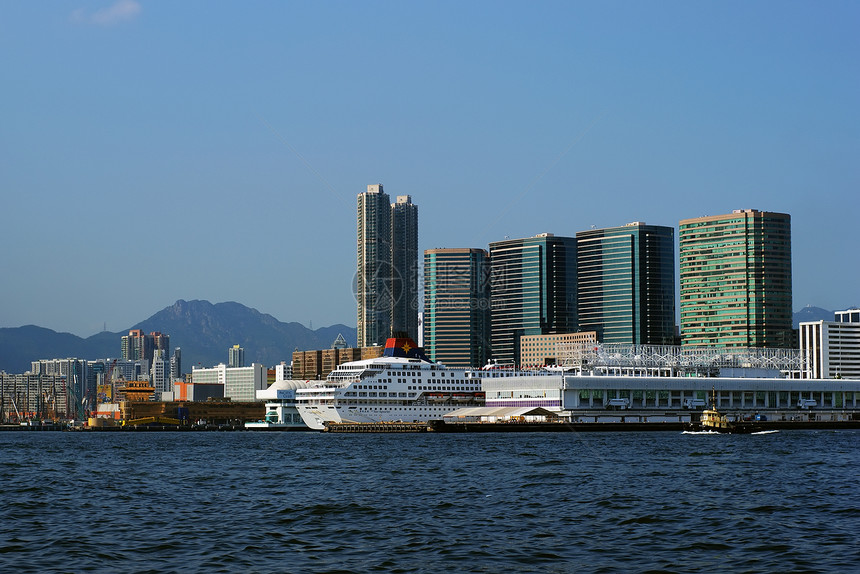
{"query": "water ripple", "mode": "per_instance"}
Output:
(295, 502)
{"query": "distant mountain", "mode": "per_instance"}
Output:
(21, 345)
(810, 313)
(203, 330)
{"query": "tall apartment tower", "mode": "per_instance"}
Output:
(159, 373)
(235, 356)
(387, 276)
(176, 364)
(626, 284)
(736, 280)
(404, 266)
(457, 306)
(136, 346)
(374, 267)
(532, 289)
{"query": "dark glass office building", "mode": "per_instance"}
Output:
(626, 284)
(533, 291)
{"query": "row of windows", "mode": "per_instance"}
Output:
(411, 388)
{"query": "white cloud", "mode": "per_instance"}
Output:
(119, 11)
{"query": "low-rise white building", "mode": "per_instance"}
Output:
(240, 383)
(832, 348)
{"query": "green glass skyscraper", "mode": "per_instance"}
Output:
(626, 284)
(736, 280)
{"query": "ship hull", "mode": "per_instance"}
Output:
(317, 416)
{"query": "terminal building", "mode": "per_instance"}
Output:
(639, 383)
(281, 412)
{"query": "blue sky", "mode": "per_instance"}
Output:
(152, 151)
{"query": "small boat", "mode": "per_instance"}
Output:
(713, 420)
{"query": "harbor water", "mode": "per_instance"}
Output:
(535, 502)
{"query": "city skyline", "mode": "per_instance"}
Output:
(243, 157)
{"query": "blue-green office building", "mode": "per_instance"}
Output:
(626, 284)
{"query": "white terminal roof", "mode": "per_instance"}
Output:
(286, 385)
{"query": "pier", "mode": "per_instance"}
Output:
(376, 427)
(438, 426)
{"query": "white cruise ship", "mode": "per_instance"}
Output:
(402, 385)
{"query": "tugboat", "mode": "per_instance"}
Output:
(713, 420)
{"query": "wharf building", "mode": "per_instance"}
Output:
(832, 348)
(456, 318)
(626, 283)
(532, 291)
(386, 285)
(642, 383)
(735, 275)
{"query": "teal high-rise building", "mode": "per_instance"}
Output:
(626, 284)
(533, 291)
(457, 306)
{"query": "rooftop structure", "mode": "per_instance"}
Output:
(671, 360)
